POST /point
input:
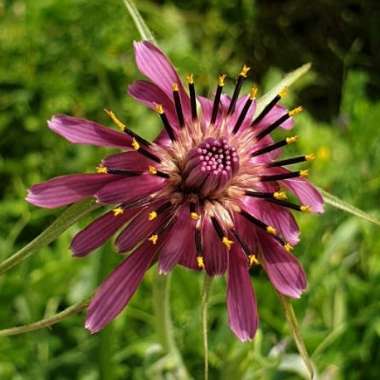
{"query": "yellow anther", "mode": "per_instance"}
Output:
(244, 71)
(118, 211)
(135, 144)
(152, 215)
(252, 93)
(159, 109)
(221, 79)
(195, 216)
(189, 78)
(227, 242)
(305, 208)
(280, 195)
(271, 230)
(153, 239)
(296, 111)
(283, 92)
(175, 87)
(152, 170)
(310, 157)
(101, 169)
(200, 262)
(291, 140)
(253, 260)
(304, 173)
(115, 120)
(288, 247)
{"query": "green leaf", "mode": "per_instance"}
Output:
(288, 80)
(70, 216)
(334, 201)
(141, 26)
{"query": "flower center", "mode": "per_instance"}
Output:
(210, 166)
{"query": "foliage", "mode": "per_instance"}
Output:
(75, 56)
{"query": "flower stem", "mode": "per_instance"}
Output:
(70, 216)
(47, 322)
(205, 296)
(295, 329)
(164, 326)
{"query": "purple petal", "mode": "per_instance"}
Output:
(129, 189)
(63, 190)
(98, 231)
(206, 107)
(82, 131)
(276, 216)
(116, 291)
(150, 94)
(155, 65)
(275, 113)
(241, 301)
(141, 227)
(127, 160)
(215, 253)
(180, 241)
(283, 269)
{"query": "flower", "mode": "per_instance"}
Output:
(207, 194)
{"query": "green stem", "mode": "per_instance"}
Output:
(164, 326)
(205, 296)
(70, 216)
(295, 329)
(47, 322)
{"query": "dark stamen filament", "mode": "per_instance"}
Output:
(259, 194)
(277, 177)
(269, 107)
(258, 222)
(193, 101)
(178, 106)
(165, 122)
(215, 106)
(287, 204)
(290, 161)
(242, 76)
(244, 111)
(124, 172)
(218, 227)
(277, 145)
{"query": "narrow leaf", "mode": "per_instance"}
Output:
(70, 216)
(288, 80)
(295, 330)
(141, 26)
(334, 201)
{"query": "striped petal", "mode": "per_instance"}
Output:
(127, 161)
(82, 131)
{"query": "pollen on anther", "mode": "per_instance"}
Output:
(296, 111)
(159, 109)
(291, 140)
(288, 247)
(195, 216)
(221, 79)
(118, 211)
(152, 215)
(283, 92)
(101, 169)
(304, 173)
(244, 71)
(280, 195)
(253, 260)
(152, 170)
(305, 208)
(271, 230)
(153, 239)
(115, 120)
(310, 157)
(227, 242)
(200, 262)
(135, 144)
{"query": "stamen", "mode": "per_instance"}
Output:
(243, 114)
(271, 230)
(124, 172)
(160, 110)
(278, 122)
(124, 128)
(288, 247)
(178, 106)
(258, 194)
(101, 169)
(118, 211)
(193, 99)
(137, 147)
(253, 260)
(154, 214)
(269, 106)
(215, 106)
(218, 228)
(227, 242)
(277, 177)
(277, 145)
(293, 206)
(290, 161)
(242, 76)
(153, 170)
(154, 239)
(200, 262)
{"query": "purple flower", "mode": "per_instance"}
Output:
(207, 194)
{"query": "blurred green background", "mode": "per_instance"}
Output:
(76, 57)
